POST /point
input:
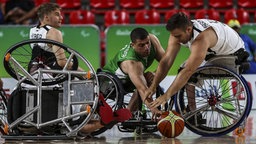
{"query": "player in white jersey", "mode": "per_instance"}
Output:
(50, 20)
(203, 37)
(228, 40)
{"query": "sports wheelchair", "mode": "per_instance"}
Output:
(48, 99)
(117, 93)
(221, 96)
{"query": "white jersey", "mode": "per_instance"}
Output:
(40, 33)
(228, 39)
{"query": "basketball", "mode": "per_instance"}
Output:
(170, 124)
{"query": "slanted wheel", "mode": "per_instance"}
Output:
(109, 86)
(19, 60)
(75, 87)
(222, 98)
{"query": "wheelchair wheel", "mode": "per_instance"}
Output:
(63, 99)
(222, 99)
(3, 113)
(18, 61)
(110, 87)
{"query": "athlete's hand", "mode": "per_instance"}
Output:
(159, 101)
(155, 113)
(149, 93)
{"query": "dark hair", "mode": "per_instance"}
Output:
(138, 33)
(179, 20)
(46, 8)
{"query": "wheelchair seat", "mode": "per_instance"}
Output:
(236, 62)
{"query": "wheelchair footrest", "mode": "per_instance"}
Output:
(133, 124)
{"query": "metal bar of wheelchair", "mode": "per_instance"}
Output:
(34, 81)
(38, 125)
(13, 124)
(38, 107)
(23, 70)
(192, 113)
(203, 108)
(68, 61)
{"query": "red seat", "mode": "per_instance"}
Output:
(221, 3)
(39, 2)
(102, 4)
(240, 14)
(246, 3)
(116, 17)
(159, 4)
(132, 4)
(208, 14)
(69, 4)
(147, 17)
(255, 17)
(169, 13)
(191, 4)
(81, 17)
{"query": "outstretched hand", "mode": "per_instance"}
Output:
(155, 113)
(149, 93)
(159, 101)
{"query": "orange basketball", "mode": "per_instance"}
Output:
(170, 124)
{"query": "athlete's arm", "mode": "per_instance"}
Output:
(199, 49)
(135, 70)
(164, 65)
(158, 47)
(56, 35)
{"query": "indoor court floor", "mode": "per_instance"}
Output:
(114, 136)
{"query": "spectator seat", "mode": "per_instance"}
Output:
(81, 17)
(146, 16)
(169, 13)
(116, 17)
(69, 4)
(240, 14)
(208, 14)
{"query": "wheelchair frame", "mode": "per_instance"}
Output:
(69, 83)
(118, 96)
(219, 85)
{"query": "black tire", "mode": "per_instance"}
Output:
(21, 52)
(215, 87)
(111, 88)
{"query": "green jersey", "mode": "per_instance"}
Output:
(128, 53)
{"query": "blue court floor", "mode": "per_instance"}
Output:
(114, 136)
